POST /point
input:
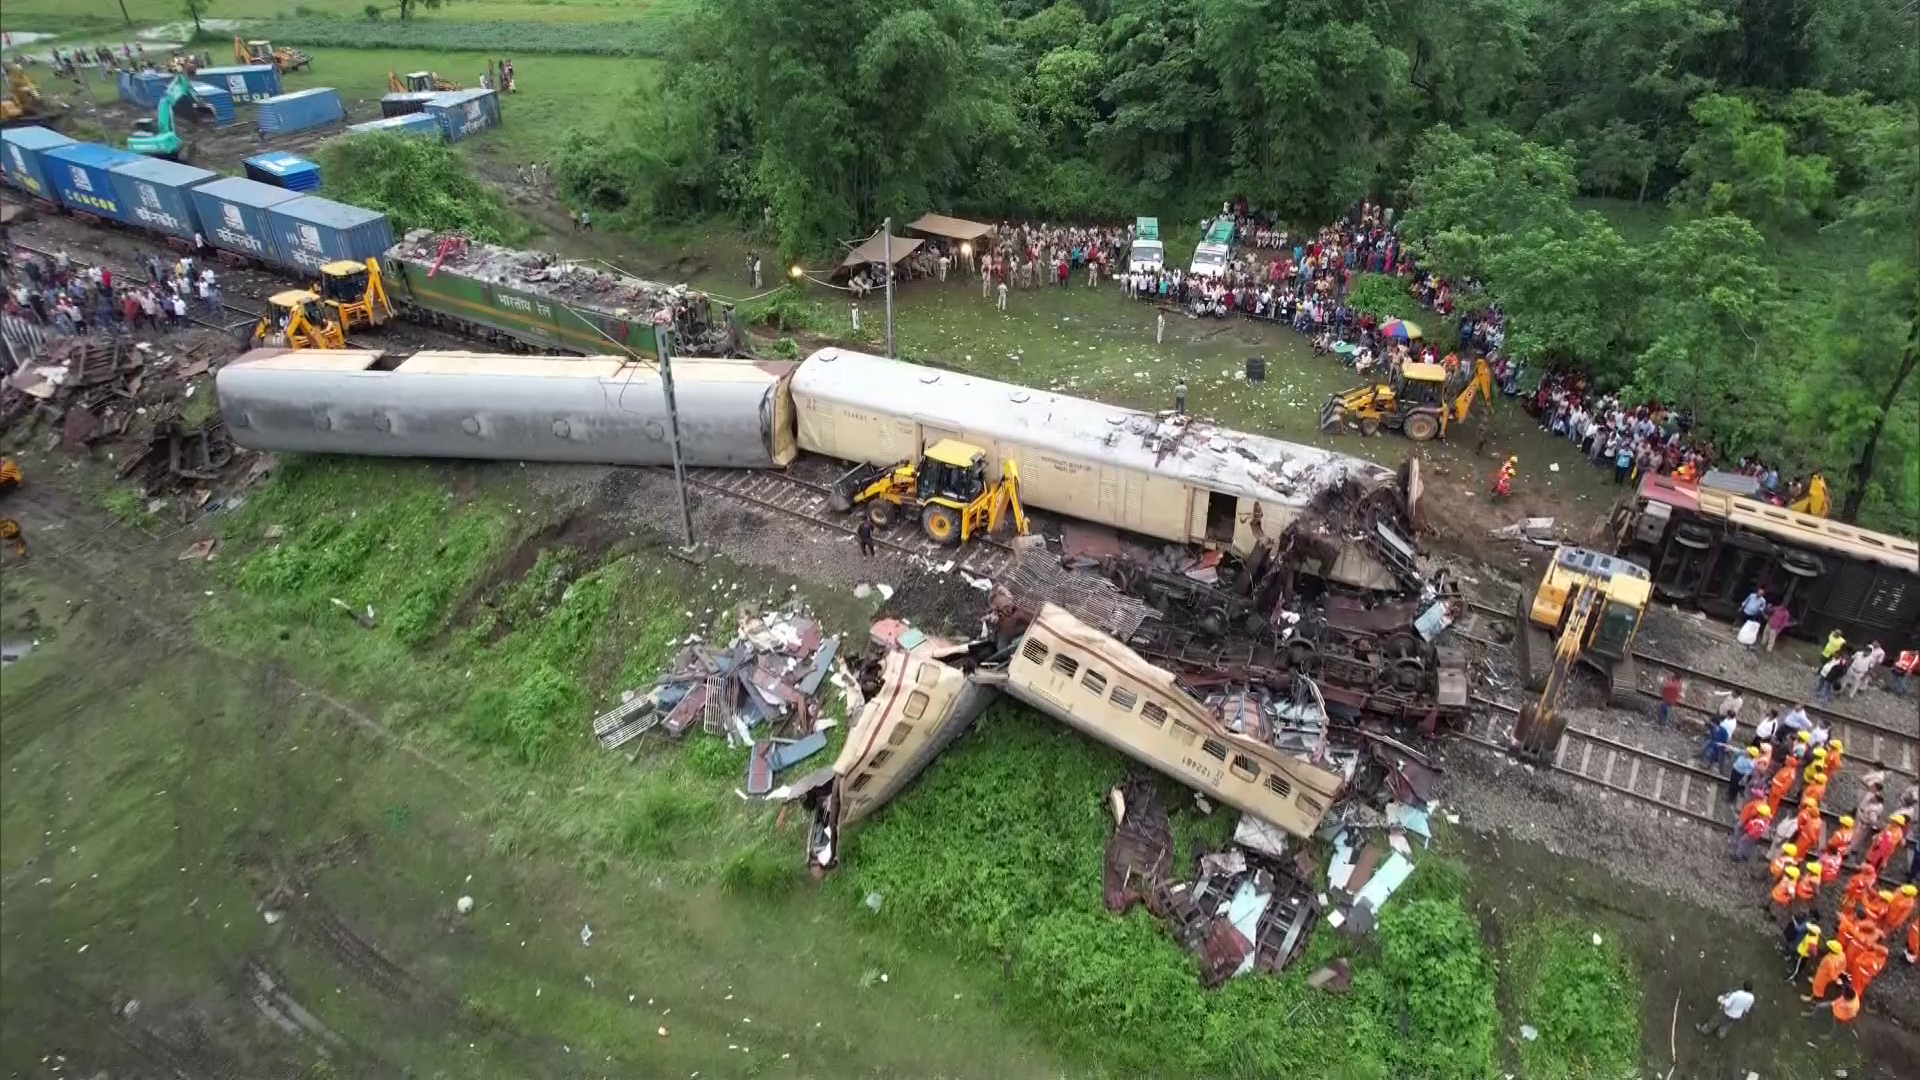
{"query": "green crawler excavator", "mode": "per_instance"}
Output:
(156, 137)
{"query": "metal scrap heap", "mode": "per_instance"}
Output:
(601, 290)
(763, 690)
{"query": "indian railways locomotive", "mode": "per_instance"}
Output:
(1709, 546)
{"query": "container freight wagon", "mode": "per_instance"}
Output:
(250, 82)
(465, 112)
(157, 194)
(532, 300)
(82, 182)
(410, 124)
(407, 104)
(733, 413)
(309, 232)
(20, 158)
(302, 110)
(233, 216)
(281, 169)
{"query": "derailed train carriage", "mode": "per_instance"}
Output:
(1172, 478)
(1709, 546)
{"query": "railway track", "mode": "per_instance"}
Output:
(807, 501)
(1620, 767)
(1866, 740)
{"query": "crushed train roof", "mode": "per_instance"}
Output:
(576, 284)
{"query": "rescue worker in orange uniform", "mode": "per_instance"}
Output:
(1789, 856)
(1858, 886)
(1836, 756)
(1751, 833)
(1886, 842)
(1815, 788)
(1899, 908)
(1811, 827)
(1876, 905)
(1783, 893)
(1832, 865)
(1781, 783)
(1832, 966)
(1913, 943)
(1841, 839)
(1755, 807)
(1844, 1008)
(1866, 966)
(1807, 887)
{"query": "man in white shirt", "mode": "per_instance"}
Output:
(1734, 1005)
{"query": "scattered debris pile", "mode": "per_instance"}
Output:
(763, 690)
(615, 296)
(1252, 905)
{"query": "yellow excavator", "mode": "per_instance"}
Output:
(23, 98)
(299, 321)
(356, 293)
(263, 52)
(11, 478)
(948, 487)
(1421, 400)
(1586, 610)
(419, 82)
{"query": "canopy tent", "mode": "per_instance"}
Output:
(950, 228)
(874, 250)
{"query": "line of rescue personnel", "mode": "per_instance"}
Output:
(1869, 918)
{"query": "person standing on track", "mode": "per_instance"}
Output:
(865, 532)
(1832, 965)
(1670, 687)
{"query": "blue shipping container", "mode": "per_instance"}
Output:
(143, 87)
(155, 194)
(310, 232)
(465, 112)
(216, 99)
(22, 163)
(250, 82)
(406, 103)
(410, 124)
(80, 180)
(299, 111)
(233, 215)
(281, 169)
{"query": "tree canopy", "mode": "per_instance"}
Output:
(1758, 136)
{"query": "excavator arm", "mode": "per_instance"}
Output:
(1480, 383)
(394, 85)
(1537, 732)
(163, 141)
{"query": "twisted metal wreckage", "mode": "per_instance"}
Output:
(1255, 684)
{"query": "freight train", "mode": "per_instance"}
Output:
(526, 301)
(1169, 477)
(1709, 545)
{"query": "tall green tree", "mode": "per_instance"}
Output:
(1740, 163)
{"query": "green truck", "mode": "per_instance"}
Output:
(536, 302)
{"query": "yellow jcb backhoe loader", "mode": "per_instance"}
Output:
(948, 487)
(1421, 401)
(356, 292)
(299, 321)
(1586, 610)
(419, 82)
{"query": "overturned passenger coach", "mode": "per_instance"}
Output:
(1166, 476)
(733, 413)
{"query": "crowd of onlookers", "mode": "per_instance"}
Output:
(66, 297)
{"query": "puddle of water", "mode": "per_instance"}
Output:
(12, 651)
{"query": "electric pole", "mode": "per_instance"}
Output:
(887, 253)
(664, 336)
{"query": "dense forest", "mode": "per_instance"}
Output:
(1773, 145)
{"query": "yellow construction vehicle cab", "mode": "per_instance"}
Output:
(1587, 609)
(948, 486)
(10, 478)
(263, 52)
(1421, 400)
(23, 98)
(419, 82)
(356, 293)
(299, 321)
